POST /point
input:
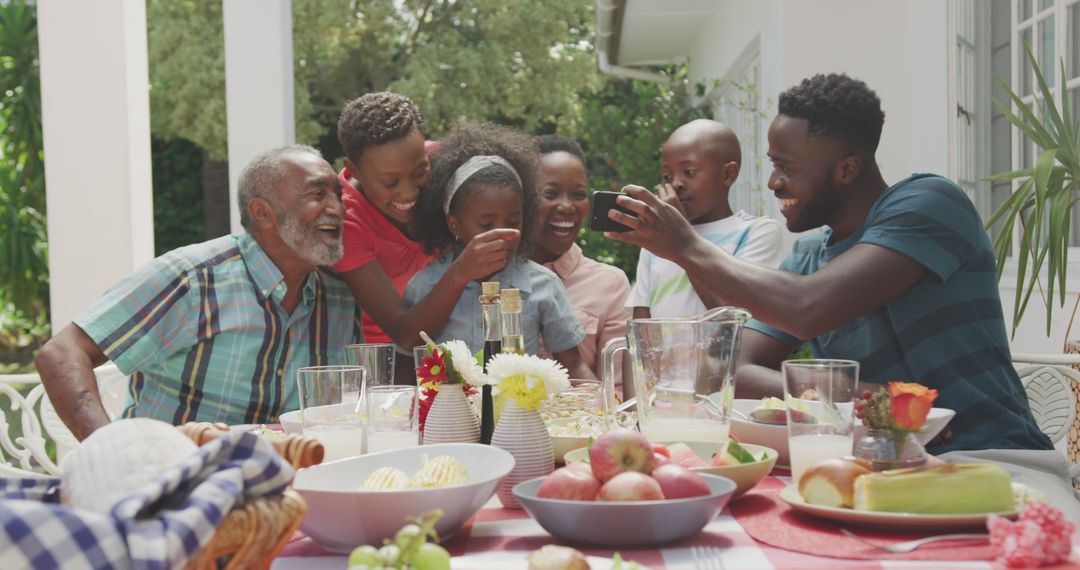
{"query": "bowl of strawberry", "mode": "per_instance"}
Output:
(624, 495)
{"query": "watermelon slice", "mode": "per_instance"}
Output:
(681, 454)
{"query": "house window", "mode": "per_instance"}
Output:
(1051, 28)
(990, 37)
(736, 102)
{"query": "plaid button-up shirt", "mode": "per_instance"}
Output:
(203, 335)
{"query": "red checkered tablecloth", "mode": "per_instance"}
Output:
(495, 535)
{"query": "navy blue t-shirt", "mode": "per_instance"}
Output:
(945, 332)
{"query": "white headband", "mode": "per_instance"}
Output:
(472, 166)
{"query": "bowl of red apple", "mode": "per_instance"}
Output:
(624, 496)
(745, 464)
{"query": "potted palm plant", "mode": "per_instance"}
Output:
(1041, 207)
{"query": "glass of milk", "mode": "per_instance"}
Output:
(330, 408)
(392, 418)
(819, 396)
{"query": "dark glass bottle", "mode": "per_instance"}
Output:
(489, 306)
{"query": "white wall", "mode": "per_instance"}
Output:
(96, 125)
(899, 49)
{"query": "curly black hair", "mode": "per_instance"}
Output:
(464, 142)
(558, 143)
(835, 104)
(376, 118)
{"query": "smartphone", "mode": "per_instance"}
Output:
(602, 203)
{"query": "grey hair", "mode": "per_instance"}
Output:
(262, 174)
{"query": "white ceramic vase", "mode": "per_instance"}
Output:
(451, 418)
(522, 433)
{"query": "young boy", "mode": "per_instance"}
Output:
(700, 162)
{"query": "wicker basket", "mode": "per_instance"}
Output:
(251, 535)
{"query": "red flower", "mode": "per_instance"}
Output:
(910, 404)
(433, 368)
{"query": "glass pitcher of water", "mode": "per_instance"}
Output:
(683, 375)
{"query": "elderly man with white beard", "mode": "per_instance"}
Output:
(216, 331)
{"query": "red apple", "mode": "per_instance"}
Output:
(619, 450)
(580, 466)
(678, 482)
(661, 449)
(630, 486)
(569, 484)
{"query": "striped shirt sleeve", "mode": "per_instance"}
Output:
(146, 317)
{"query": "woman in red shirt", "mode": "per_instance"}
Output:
(386, 165)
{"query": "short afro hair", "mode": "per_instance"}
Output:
(464, 142)
(837, 105)
(558, 143)
(376, 118)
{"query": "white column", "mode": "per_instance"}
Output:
(258, 83)
(96, 126)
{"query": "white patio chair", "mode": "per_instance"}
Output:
(26, 455)
(1052, 384)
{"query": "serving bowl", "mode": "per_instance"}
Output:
(565, 443)
(341, 516)
(776, 435)
(773, 436)
(290, 422)
(625, 523)
(745, 475)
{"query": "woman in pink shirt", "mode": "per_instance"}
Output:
(597, 291)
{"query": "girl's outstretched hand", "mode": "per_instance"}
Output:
(486, 254)
(658, 226)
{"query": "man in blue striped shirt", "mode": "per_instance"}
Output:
(902, 278)
(216, 331)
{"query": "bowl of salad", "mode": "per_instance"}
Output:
(570, 433)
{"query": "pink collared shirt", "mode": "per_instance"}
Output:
(598, 294)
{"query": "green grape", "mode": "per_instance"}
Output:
(390, 554)
(365, 556)
(431, 556)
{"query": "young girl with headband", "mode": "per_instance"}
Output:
(484, 178)
(385, 168)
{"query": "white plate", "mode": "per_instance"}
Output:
(791, 496)
(517, 561)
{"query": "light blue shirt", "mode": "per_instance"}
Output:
(546, 311)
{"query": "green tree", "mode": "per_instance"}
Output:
(24, 280)
(482, 59)
(625, 123)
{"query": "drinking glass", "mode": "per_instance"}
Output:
(329, 408)
(820, 396)
(392, 418)
(419, 353)
(376, 358)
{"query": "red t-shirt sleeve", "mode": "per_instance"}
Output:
(359, 244)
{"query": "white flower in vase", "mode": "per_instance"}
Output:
(528, 379)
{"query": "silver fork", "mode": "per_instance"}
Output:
(707, 558)
(910, 545)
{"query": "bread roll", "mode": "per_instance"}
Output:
(118, 459)
(554, 557)
(831, 483)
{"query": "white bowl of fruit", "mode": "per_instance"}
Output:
(745, 464)
(366, 499)
(622, 497)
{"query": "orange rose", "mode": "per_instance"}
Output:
(910, 404)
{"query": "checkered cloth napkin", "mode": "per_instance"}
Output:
(160, 525)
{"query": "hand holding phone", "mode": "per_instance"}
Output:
(602, 203)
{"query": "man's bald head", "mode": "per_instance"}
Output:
(719, 141)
